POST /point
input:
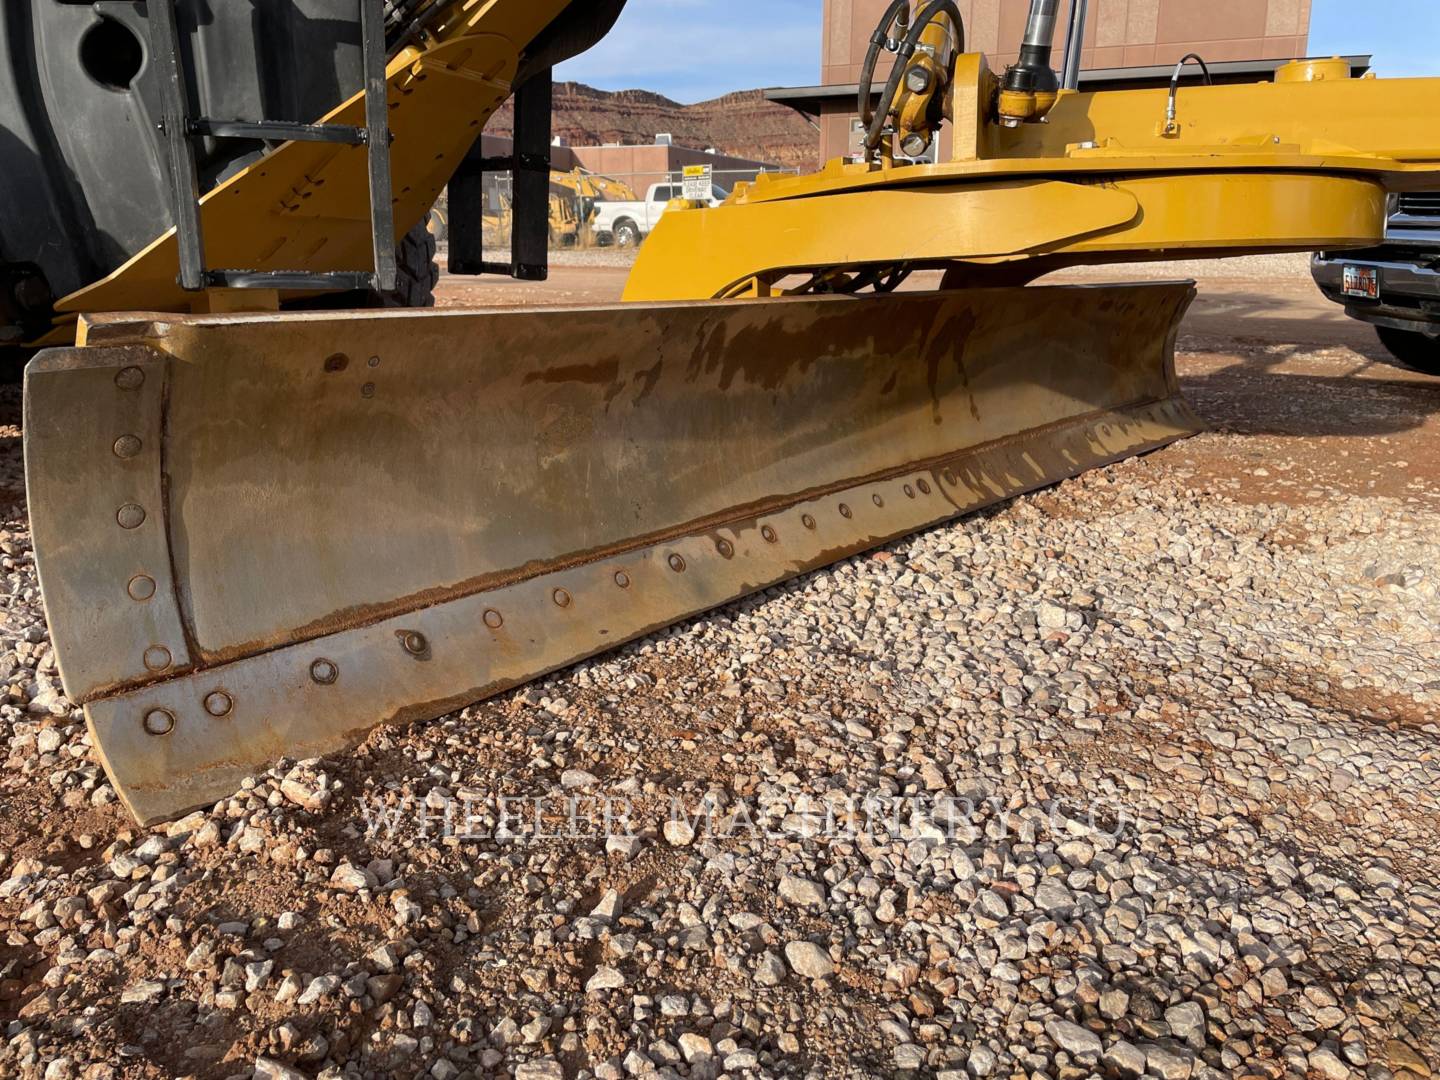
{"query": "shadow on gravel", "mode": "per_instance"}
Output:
(1251, 397)
(1281, 319)
(22, 975)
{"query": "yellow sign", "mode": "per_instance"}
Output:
(698, 182)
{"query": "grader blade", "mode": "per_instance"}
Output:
(260, 536)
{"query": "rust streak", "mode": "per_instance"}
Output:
(602, 373)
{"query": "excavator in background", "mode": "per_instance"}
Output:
(262, 531)
(573, 198)
(565, 223)
(593, 188)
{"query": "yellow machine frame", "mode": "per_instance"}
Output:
(1303, 163)
(262, 534)
(305, 206)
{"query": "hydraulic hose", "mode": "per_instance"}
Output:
(899, 9)
(1171, 103)
(935, 8)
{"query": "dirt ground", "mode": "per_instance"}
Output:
(1233, 639)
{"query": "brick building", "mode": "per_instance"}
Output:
(640, 166)
(1127, 43)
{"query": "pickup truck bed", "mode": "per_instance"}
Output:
(626, 224)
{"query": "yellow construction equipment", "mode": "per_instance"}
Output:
(573, 196)
(1292, 165)
(594, 186)
(260, 534)
(586, 190)
(565, 218)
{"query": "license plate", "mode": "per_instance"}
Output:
(1362, 281)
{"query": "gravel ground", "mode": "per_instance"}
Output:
(1248, 268)
(609, 256)
(1135, 776)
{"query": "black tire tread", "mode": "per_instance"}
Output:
(417, 272)
(415, 279)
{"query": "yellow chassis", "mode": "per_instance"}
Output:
(306, 205)
(261, 535)
(1303, 163)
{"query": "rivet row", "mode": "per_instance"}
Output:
(324, 672)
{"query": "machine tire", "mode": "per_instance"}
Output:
(416, 277)
(1415, 350)
(627, 234)
(417, 274)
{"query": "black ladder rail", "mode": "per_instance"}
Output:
(529, 166)
(180, 129)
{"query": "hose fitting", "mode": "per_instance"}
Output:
(1031, 86)
(905, 53)
(1171, 127)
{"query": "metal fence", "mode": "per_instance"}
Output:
(572, 213)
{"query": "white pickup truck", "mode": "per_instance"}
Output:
(625, 224)
(1395, 286)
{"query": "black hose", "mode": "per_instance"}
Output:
(1170, 104)
(878, 41)
(1180, 67)
(902, 60)
(408, 19)
(883, 279)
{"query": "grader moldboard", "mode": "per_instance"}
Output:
(261, 531)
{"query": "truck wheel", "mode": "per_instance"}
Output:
(627, 234)
(1412, 348)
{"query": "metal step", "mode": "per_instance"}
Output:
(180, 129)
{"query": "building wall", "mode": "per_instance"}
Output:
(1118, 33)
(638, 166)
(641, 166)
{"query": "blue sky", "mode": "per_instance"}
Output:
(1404, 35)
(692, 50)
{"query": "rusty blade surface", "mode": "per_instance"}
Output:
(261, 536)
